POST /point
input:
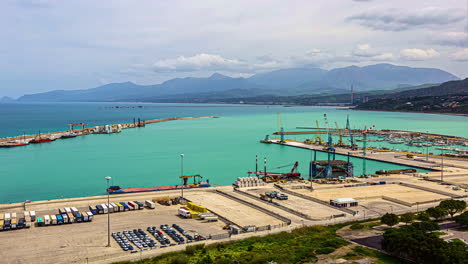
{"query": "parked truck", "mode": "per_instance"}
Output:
(150, 204)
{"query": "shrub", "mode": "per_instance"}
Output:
(356, 226)
(324, 251)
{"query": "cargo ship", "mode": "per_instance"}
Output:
(11, 144)
(200, 184)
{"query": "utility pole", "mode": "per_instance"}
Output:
(442, 167)
(108, 211)
(182, 173)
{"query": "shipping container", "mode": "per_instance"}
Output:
(53, 219)
(150, 204)
(7, 216)
(71, 218)
(33, 215)
(74, 210)
(14, 215)
(59, 219)
(130, 206)
(68, 210)
(40, 221)
(26, 214)
(99, 209)
(121, 207)
(61, 210)
(105, 209)
(90, 216)
(46, 220)
(110, 208)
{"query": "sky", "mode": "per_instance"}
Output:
(79, 44)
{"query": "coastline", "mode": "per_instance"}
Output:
(434, 113)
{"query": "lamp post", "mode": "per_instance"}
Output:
(182, 172)
(108, 215)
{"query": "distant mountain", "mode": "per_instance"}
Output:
(6, 99)
(284, 82)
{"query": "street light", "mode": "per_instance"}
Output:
(182, 172)
(108, 215)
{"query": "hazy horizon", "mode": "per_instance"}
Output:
(51, 44)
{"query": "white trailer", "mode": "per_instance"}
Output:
(90, 216)
(46, 220)
(150, 204)
(110, 208)
(68, 210)
(85, 216)
(135, 206)
(33, 215)
(104, 208)
(7, 216)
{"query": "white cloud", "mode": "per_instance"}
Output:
(450, 38)
(461, 55)
(366, 51)
(419, 54)
(198, 62)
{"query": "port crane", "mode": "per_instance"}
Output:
(364, 134)
(277, 176)
(186, 177)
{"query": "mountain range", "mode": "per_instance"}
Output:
(284, 82)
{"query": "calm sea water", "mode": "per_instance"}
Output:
(219, 149)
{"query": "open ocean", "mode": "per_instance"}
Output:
(220, 149)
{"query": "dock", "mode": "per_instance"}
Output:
(92, 130)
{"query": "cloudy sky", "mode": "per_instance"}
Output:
(77, 44)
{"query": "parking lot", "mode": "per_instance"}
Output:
(74, 243)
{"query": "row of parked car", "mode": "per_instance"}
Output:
(12, 221)
(121, 207)
(142, 241)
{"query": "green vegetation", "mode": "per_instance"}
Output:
(453, 206)
(439, 233)
(390, 219)
(364, 226)
(462, 218)
(437, 212)
(300, 245)
(422, 216)
(415, 243)
(359, 252)
(407, 218)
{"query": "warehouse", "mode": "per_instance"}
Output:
(344, 202)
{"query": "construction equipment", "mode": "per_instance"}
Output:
(278, 176)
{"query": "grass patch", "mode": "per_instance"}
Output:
(359, 252)
(364, 226)
(299, 246)
(439, 233)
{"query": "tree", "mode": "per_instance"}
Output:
(462, 219)
(453, 206)
(437, 212)
(407, 218)
(422, 216)
(426, 226)
(389, 219)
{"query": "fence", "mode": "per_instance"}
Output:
(432, 190)
(219, 236)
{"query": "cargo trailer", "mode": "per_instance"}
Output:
(105, 208)
(21, 222)
(74, 210)
(33, 215)
(40, 222)
(84, 216)
(2, 223)
(150, 204)
(65, 218)
(7, 216)
(14, 223)
(125, 206)
(27, 220)
(99, 209)
(93, 209)
(121, 207)
(53, 219)
(26, 214)
(71, 218)
(68, 210)
(61, 210)
(46, 220)
(110, 208)
(133, 205)
(13, 215)
(7, 224)
(2, 217)
(90, 216)
(130, 207)
(140, 205)
(78, 217)
(59, 219)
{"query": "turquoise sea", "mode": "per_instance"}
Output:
(219, 149)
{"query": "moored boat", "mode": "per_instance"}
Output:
(11, 144)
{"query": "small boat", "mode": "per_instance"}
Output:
(69, 135)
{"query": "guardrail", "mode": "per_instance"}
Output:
(432, 190)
